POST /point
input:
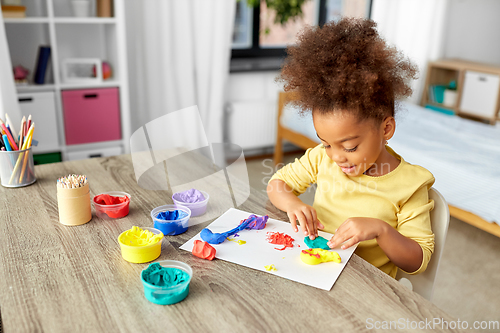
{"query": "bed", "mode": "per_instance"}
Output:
(463, 155)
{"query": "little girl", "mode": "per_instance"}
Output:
(346, 74)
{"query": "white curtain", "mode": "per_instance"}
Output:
(415, 27)
(8, 95)
(179, 53)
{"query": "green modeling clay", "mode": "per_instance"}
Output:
(164, 276)
(318, 243)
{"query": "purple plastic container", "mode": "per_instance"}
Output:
(197, 208)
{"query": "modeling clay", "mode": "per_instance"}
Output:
(203, 250)
(189, 196)
(240, 242)
(270, 268)
(138, 237)
(280, 239)
(106, 199)
(158, 275)
(171, 215)
(217, 238)
(113, 212)
(256, 222)
(317, 256)
(318, 242)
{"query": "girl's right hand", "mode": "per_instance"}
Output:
(307, 217)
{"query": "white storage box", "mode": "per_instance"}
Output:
(42, 107)
(84, 154)
(480, 94)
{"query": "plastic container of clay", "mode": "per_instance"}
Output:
(165, 295)
(171, 227)
(110, 212)
(197, 208)
(140, 254)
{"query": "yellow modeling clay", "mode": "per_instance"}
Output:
(317, 256)
(138, 237)
(240, 242)
(270, 268)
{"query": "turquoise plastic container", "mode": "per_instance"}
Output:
(165, 295)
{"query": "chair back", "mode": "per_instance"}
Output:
(423, 283)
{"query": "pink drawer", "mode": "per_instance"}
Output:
(91, 115)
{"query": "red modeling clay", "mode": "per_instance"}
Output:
(311, 254)
(106, 199)
(113, 212)
(280, 239)
(203, 250)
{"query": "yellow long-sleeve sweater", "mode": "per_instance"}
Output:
(399, 198)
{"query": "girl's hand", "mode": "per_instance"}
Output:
(355, 230)
(307, 217)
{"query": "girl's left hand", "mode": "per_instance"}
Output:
(355, 230)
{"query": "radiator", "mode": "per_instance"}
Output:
(251, 124)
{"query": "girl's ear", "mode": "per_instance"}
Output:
(388, 127)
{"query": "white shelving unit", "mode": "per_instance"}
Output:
(50, 22)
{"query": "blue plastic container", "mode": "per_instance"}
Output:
(171, 227)
(166, 295)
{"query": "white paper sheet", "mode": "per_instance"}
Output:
(258, 252)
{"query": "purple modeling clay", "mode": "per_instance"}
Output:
(256, 222)
(189, 196)
(252, 222)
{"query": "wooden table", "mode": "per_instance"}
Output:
(55, 278)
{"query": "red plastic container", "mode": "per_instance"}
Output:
(91, 115)
(112, 211)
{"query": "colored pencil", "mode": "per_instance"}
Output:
(28, 125)
(6, 142)
(72, 181)
(9, 122)
(26, 145)
(26, 155)
(21, 131)
(10, 131)
(8, 148)
(9, 136)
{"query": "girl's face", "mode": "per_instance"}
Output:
(357, 147)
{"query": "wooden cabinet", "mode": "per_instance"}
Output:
(477, 88)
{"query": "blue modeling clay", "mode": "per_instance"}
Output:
(318, 243)
(217, 238)
(252, 222)
(171, 215)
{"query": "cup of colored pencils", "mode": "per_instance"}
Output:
(16, 157)
(73, 200)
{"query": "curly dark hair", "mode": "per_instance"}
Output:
(346, 65)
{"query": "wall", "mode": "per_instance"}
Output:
(251, 110)
(472, 31)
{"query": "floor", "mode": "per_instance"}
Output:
(468, 281)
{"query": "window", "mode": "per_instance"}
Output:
(256, 36)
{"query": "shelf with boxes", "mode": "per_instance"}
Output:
(24, 10)
(85, 76)
(464, 88)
